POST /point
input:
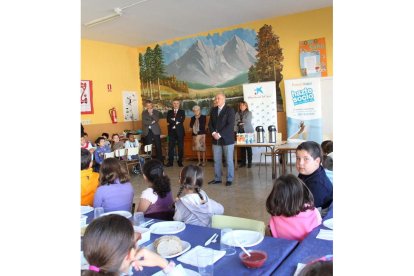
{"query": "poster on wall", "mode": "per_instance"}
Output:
(303, 110)
(86, 97)
(130, 105)
(261, 99)
(313, 58)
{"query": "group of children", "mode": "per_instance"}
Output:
(296, 203)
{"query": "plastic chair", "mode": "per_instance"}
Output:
(237, 223)
(109, 155)
(125, 153)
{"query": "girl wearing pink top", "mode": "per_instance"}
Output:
(293, 212)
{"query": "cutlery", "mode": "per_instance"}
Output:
(147, 223)
(215, 239)
(210, 239)
(241, 246)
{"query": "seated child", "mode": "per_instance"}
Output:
(319, 267)
(100, 151)
(195, 207)
(89, 179)
(106, 136)
(133, 143)
(291, 205)
(109, 246)
(328, 165)
(308, 164)
(157, 197)
(116, 143)
(115, 192)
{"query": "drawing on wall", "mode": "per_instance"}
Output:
(130, 104)
(194, 70)
(86, 97)
(313, 58)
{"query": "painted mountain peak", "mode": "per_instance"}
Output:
(213, 65)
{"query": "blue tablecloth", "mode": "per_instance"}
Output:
(309, 249)
(277, 250)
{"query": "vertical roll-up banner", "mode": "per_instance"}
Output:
(303, 110)
(261, 98)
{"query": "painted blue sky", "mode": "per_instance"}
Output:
(175, 50)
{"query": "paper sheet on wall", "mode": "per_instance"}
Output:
(130, 104)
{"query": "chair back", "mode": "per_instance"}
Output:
(132, 151)
(120, 152)
(148, 148)
(109, 155)
(237, 223)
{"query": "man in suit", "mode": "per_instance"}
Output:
(221, 127)
(175, 119)
(151, 128)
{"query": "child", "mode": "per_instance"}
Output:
(133, 143)
(195, 207)
(89, 179)
(109, 246)
(291, 205)
(100, 152)
(106, 136)
(116, 143)
(115, 192)
(308, 164)
(157, 198)
(322, 266)
(327, 161)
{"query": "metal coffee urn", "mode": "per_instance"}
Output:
(260, 134)
(272, 134)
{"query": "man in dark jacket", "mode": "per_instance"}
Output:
(221, 126)
(175, 120)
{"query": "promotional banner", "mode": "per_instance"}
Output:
(303, 109)
(261, 98)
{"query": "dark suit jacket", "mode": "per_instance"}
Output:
(147, 121)
(179, 117)
(222, 124)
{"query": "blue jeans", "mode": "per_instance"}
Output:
(228, 154)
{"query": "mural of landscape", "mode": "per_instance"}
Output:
(196, 69)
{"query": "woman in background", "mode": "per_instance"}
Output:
(243, 124)
(198, 129)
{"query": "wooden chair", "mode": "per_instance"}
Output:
(237, 223)
(146, 155)
(123, 155)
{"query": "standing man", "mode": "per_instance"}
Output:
(221, 126)
(175, 119)
(151, 128)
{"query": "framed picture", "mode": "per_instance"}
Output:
(86, 98)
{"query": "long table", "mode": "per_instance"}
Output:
(308, 250)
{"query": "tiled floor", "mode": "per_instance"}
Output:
(245, 198)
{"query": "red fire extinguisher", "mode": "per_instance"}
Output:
(112, 114)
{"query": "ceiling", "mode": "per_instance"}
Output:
(147, 21)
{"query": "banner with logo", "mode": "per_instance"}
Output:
(261, 98)
(303, 109)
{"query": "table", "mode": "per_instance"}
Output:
(284, 150)
(272, 146)
(309, 249)
(277, 250)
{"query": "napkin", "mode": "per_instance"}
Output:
(178, 271)
(325, 235)
(191, 256)
(299, 268)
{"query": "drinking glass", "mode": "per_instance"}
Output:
(205, 261)
(98, 212)
(230, 250)
(138, 218)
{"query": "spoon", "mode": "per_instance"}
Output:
(241, 246)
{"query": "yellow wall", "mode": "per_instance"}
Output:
(105, 63)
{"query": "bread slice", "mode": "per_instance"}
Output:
(168, 245)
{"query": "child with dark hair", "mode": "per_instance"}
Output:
(115, 192)
(291, 205)
(308, 164)
(157, 197)
(109, 246)
(89, 179)
(327, 160)
(195, 207)
(320, 267)
(106, 136)
(100, 151)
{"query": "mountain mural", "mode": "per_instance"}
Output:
(213, 65)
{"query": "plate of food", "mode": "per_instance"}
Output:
(167, 227)
(121, 213)
(245, 238)
(169, 246)
(86, 209)
(328, 223)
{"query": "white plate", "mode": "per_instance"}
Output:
(121, 213)
(86, 209)
(246, 238)
(167, 227)
(186, 247)
(328, 223)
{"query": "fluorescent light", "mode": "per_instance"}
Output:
(118, 13)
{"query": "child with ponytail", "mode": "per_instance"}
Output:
(194, 207)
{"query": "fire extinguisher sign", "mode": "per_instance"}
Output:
(86, 97)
